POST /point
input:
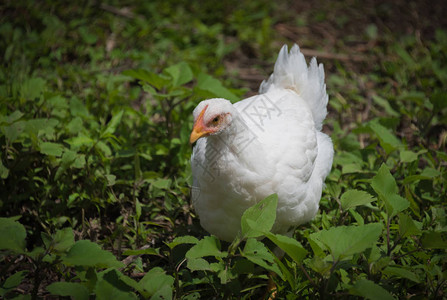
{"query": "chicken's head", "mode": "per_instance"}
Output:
(211, 117)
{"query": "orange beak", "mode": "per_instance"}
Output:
(199, 130)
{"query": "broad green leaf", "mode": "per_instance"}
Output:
(207, 83)
(61, 241)
(110, 285)
(344, 241)
(183, 240)
(14, 280)
(208, 246)
(386, 105)
(12, 235)
(353, 198)
(181, 73)
(434, 240)
(388, 141)
(407, 226)
(74, 290)
(14, 116)
(198, 264)
(89, 254)
(149, 77)
(385, 186)
(75, 125)
(53, 149)
(292, 247)
(113, 123)
(79, 141)
(407, 156)
(13, 131)
(162, 184)
(259, 219)
(77, 108)
(156, 279)
(164, 293)
(400, 272)
(4, 172)
(64, 239)
(87, 35)
(256, 252)
(36, 126)
(370, 290)
(32, 88)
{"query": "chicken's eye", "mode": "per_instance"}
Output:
(215, 121)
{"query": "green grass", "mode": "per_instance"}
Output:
(95, 116)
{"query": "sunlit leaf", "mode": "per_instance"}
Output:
(259, 219)
(155, 280)
(181, 73)
(385, 186)
(289, 245)
(388, 141)
(343, 241)
(353, 198)
(87, 253)
(257, 253)
(208, 246)
(207, 83)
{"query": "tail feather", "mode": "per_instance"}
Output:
(292, 72)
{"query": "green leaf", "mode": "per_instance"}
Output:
(353, 198)
(13, 281)
(12, 235)
(111, 285)
(32, 88)
(386, 105)
(407, 226)
(434, 240)
(344, 241)
(213, 86)
(256, 252)
(153, 79)
(113, 123)
(259, 219)
(181, 73)
(385, 186)
(400, 272)
(407, 156)
(208, 246)
(183, 240)
(388, 141)
(17, 114)
(63, 239)
(51, 148)
(74, 290)
(162, 184)
(370, 290)
(198, 264)
(13, 131)
(89, 254)
(87, 35)
(155, 280)
(4, 172)
(292, 247)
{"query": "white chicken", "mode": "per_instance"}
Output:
(265, 144)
